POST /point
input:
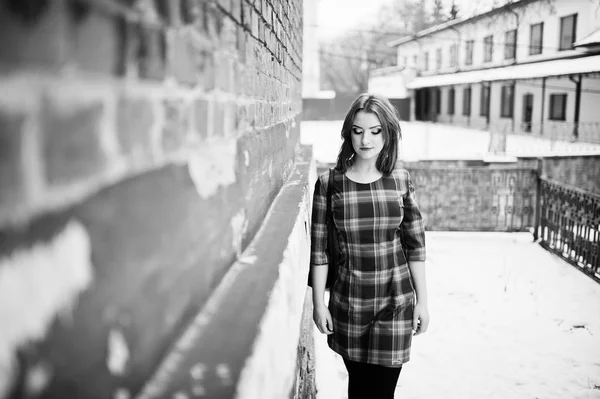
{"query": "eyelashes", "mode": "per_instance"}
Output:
(355, 131)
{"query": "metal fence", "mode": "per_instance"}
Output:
(570, 225)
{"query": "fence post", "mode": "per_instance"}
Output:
(538, 198)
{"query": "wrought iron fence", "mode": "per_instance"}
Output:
(570, 225)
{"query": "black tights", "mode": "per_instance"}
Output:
(371, 381)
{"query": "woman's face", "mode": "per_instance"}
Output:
(367, 135)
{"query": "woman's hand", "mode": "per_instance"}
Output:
(322, 319)
(420, 319)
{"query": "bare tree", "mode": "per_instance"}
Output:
(347, 61)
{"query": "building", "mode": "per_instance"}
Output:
(531, 67)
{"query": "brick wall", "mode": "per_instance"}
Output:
(581, 171)
(141, 145)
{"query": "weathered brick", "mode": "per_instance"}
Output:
(95, 55)
(129, 48)
(236, 10)
(226, 4)
(71, 139)
(241, 44)
(25, 43)
(176, 124)
(254, 27)
(225, 73)
(229, 118)
(206, 67)
(11, 162)
(201, 117)
(152, 53)
(182, 63)
(218, 119)
(135, 118)
(214, 21)
(247, 12)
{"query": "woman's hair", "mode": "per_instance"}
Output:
(390, 125)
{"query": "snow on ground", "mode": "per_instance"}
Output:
(509, 320)
(421, 140)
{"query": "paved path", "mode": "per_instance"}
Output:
(508, 321)
(435, 141)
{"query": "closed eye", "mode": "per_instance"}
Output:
(356, 131)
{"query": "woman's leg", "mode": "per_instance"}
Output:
(371, 381)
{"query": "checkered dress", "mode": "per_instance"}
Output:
(372, 301)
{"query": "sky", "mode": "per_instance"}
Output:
(336, 16)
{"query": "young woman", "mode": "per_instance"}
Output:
(379, 299)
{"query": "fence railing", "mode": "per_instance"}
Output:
(570, 225)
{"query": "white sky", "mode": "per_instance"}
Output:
(335, 16)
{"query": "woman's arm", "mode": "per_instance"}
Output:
(421, 312)
(319, 261)
(414, 240)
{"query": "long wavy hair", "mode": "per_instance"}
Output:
(390, 125)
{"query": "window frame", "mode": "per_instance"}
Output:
(469, 46)
(438, 59)
(510, 111)
(510, 49)
(453, 55)
(488, 43)
(467, 93)
(426, 61)
(484, 101)
(533, 50)
(573, 32)
(563, 112)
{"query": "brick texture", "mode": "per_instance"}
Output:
(120, 97)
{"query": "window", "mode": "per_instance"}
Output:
(536, 39)
(453, 55)
(467, 101)
(469, 52)
(568, 27)
(426, 61)
(488, 48)
(510, 45)
(451, 101)
(438, 59)
(415, 60)
(438, 101)
(484, 104)
(507, 101)
(404, 61)
(558, 107)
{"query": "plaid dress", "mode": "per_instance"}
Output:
(372, 300)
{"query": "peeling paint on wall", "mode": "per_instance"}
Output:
(212, 165)
(36, 285)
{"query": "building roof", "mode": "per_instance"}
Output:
(459, 21)
(553, 68)
(593, 39)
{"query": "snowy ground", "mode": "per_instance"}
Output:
(432, 141)
(509, 320)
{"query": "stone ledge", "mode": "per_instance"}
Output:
(244, 342)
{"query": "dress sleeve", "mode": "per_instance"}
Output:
(318, 235)
(413, 226)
